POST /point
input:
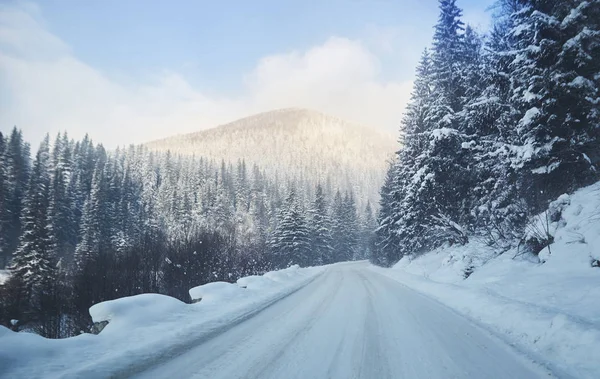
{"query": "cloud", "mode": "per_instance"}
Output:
(46, 88)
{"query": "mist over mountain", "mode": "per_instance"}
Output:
(297, 144)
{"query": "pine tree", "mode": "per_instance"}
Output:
(320, 233)
(344, 228)
(387, 247)
(432, 204)
(337, 227)
(33, 265)
(399, 196)
(555, 89)
(291, 242)
(489, 119)
(16, 166)
(367, 233)
(60, 212)
(94, 231)
(351, 229)
(4, 256)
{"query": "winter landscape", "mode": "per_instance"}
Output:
(332, 217)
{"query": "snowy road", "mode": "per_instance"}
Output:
(351, 323)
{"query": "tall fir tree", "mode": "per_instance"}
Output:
(320, 232)
(16, 165)
(387, 247)
(555, 78)
(4, 256)
(33, 265)
(291, 241)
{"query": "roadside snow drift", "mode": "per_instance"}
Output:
(217, 292)
(144, 328)
(548, 306)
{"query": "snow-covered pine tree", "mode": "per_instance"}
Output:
(61, 221)
(368, 224)
(400, 195)
(344, 227)
(434, 203)
(4, 257)
(16, 166)
(337, 227)
(387, 248)
(489, 118)
(95, 223)
(320, 232)
(555, 77)
(290, 243)
(33, 265)
(350, 220)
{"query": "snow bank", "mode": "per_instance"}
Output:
(548, 307)
(133, 311)
(144, 329)
(282, 276)
(217, 292)
(255, 282)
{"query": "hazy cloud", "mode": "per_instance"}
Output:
(46, 88)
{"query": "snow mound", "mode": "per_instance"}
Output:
(255, 282)
(284, 275)
(134, 311)
(216, 292)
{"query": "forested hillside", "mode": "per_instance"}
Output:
(80, 225)
(498, 126)
(298, 143)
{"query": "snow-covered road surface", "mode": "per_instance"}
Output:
(351, 322)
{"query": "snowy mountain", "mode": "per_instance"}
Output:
(297, 143)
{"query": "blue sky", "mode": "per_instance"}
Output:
(153, 68)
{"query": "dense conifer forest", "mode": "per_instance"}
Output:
(81, 225)
(498, 126)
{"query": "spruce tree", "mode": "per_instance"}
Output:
(291, 242)
(320, 232)
(368, 224)
(4, 256)
(555, 89)
(432, 204)
(33, 265)
(350, 220)
(61, 221)
(387, 247)
(338, 228)
(16, 166)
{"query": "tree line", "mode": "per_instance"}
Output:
(80, 225)
(498, 126)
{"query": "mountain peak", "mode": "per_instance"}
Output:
(297, 142)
